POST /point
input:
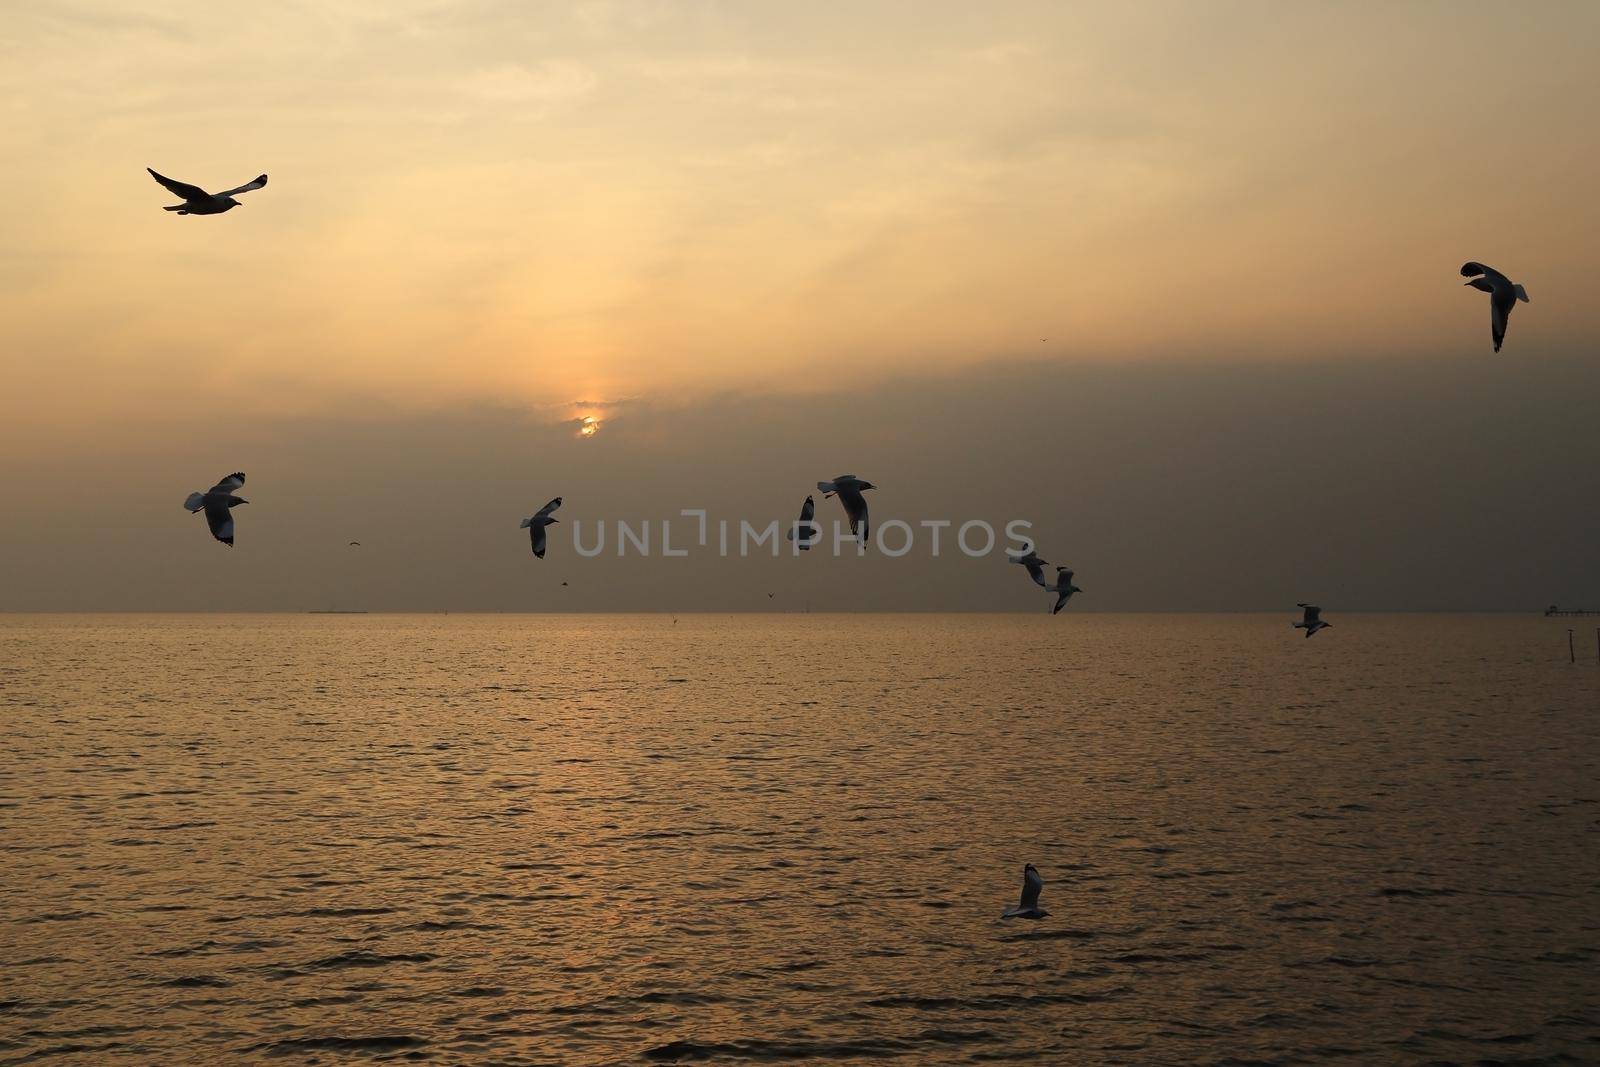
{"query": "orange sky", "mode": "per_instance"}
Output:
(554, 202)
(927, 242)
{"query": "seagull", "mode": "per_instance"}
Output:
(849, 488)
(1029, 906)
(1503, 296)
(806, 529)
(196, 201)
(1035, 567)
(1312, 622)
(1063, 588)
(354, 544)
(536, 525)
(215, 502)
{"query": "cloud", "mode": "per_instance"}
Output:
(551, 81)
(1005, 52)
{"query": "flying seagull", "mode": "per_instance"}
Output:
(215, 502)
(535, 526)
(1035, 567)
(354, 544)
(1312, 622)
(849, 489)
(1503, 296)
(805, 528)
(1029, 906)
(196, 201)
(1063, 589)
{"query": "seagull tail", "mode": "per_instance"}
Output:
(175, 207)
(195, 502)
(525, 524)
(826, 487)
(1522, 294)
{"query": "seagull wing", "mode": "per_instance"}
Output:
(183, 189)
(1063, 577)
(855, 506)
(230, 483)
(808, 509)
(259, 183)
(544, 512)
(536, 532)
(1313, 613)
(1471, 269)
(1062, 596)
(220, 519)
(1032, 884)
(1499, 315)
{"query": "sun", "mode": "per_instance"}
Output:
(588, 426)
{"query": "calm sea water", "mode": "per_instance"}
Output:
(575, 840)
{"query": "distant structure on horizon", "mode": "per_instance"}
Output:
(1554, 610)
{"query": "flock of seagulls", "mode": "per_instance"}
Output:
(219, 501)
(1503, 296)
(1063, 587)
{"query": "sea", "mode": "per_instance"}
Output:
(789, 838)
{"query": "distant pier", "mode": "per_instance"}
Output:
(1553, 610)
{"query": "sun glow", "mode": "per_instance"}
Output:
(588, 426)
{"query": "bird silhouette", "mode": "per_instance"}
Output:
(216, 502)
(805, 532)
(1028, 907)
(1503, 296)
(1063, 589)
(196, 201)
(1311, 620)
(536, 526)
(1035, 567)
(849, 489)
